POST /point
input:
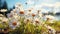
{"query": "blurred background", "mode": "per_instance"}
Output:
(50, 6)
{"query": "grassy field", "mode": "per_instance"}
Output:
(29, 28)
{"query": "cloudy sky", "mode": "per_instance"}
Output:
(45, 5)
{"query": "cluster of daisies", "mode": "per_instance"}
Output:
(19, 14)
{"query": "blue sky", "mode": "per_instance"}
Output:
(37, 4)
(13, 2)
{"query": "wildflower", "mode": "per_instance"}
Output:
(3, 10)
(4, 20)
(6, 30)
(50, 18)
(29, 19)
(14, 23)
(36, 20)
(16, 16)
(33, 15)
(29, 10)
(1, 15)
(14, 10)
(38, 11)
(26, 20)
(28, 13)
(21, 12)
(9, 15)
(51, 31)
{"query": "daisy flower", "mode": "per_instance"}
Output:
(33, 15)
(3, 10)
(29, 19)
(50, 18)
(14, 23)
(37, 21)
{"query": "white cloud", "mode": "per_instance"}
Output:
(44, 4)
(50, 1)
(57, 4)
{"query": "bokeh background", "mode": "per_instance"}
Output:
(50, 6)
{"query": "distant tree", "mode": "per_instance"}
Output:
(58, 13)
(5, 5)
(13, 7)
(0, 4)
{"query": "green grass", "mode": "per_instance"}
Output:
(29, 28)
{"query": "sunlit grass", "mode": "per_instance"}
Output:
(55, 25)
